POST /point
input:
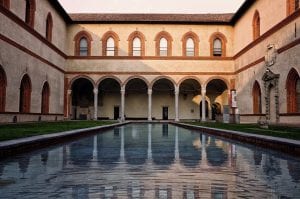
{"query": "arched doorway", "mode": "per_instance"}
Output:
(136, 103)
(25, 95)
(45, 98)
(2, 89)
(109, 99)
(82, 99)
(163, 99)
(293, 92)
(217, 92)
(189, 99)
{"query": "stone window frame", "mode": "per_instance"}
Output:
(256, 25)
(291, 6)
(257, 99)
(196, 40)
(116, 39)
(30, 12)
(49, 27)
(25, 98)
(3, 84)
(45, 100)
(168, 37)
(5, 4)
(291, 96)
(132, 36)
(78, 37)
(220, 36)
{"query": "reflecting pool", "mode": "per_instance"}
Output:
(151, 161)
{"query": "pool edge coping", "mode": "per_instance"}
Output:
(285, 145)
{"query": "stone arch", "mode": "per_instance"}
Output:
(78, 37)
(116, 39)
(213, 37)
(49, 27)
(190, 77)
(79, 77)
(3, 84)
(25, 94)
(30, 12)
(136, 77)
(196, 40)
(256, 96)
(215, 78)
(108, 77)
(132, 36)
(292, 94)
(162, 77)
(256, 25)
(45, 98)
(168, 37)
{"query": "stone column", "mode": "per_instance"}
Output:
(69, 103)
(95, 103)
(149, 104)
(123, 104)
(203, 93)
(176, 103)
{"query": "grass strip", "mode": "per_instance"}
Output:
(14, 131)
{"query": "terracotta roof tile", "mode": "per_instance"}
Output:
(152, 18)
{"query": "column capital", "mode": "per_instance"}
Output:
(203, 90)
(69, 91)
(149, 91)
(95, 90)
(122, 90)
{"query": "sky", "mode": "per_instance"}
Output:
(151, 6)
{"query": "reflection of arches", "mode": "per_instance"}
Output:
(45, 98)
(3, 84)
(189, 154)
(81, 152)
(108, 148)
(293, 91)
(256, 94)
(25, 95)
(216, 156)
(294, 169)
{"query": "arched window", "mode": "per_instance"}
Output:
(83, 44)
(163, 44)
(30, 12)
(2, 89)
(49, 26)
(136, 41)
(218, 45)
(163, 47)
(137, 47)
(110, 47)
(292, 6)
(5, 3)
(293, 92)
(25, 95)
(83, 47)
(256, 94)
(190, 44)
(256, 25)
(110, 44)
(45, 98)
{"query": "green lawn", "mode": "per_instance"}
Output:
(276, 131)
(14, 131)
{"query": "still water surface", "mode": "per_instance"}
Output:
(151, 161)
